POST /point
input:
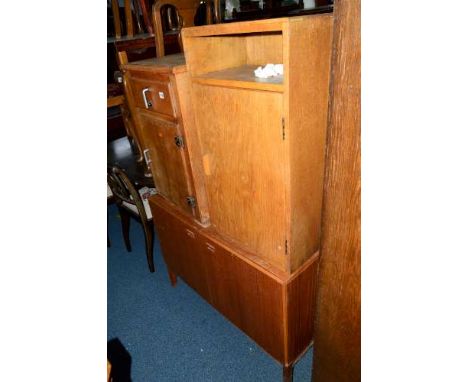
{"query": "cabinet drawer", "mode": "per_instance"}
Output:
(153, 95)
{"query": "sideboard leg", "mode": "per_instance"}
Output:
(288, 373)
(172, 277)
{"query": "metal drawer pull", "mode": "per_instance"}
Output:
(209, 247)
(147, 158)
(148, 104)
(190, 233)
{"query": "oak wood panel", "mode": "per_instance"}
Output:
(243, 158)
(224, 53)
(135, 126)
(270, 25)
(306, 125)
(173, 63)
(337, 347)
(264, 48)
(168, 162)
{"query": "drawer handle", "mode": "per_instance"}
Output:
(147, 158)
(148, 104)
(210, 248)
(190, 233)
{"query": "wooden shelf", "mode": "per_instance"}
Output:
(241, 77)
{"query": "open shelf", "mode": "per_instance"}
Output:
(241, 77)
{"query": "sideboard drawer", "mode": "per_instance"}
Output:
(153, 95)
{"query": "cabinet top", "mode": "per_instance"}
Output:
(268, 25)
(173, 63)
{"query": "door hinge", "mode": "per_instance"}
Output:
(285, 247)
(179, 141)
(284, 130)
(191, 201)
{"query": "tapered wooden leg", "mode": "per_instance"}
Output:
(125, 218)
(172, 277)
(149, 234)
(288, 373)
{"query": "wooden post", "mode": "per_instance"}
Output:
(338, 324)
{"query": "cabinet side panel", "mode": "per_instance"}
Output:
(309, 71)
(301, 296)
(243, 157)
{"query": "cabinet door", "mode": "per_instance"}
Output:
(244, 155)
(181, 249)
(167, 157)
(248, 297)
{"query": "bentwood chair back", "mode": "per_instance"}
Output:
(170, 16)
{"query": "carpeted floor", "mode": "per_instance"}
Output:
(172, 334)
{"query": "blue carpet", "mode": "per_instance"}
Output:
(172, 334)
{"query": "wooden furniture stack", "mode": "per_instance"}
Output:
(238, 163)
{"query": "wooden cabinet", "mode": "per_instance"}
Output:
(248, 154)
(262, 141)
(160, 103)
(273, 308)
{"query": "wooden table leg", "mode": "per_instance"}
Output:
(288, 373)
(172, 277)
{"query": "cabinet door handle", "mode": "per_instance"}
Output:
(147, 158)
(209, 247)
(148, 104)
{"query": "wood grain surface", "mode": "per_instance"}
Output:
(308, 65)
(337, 345)
(243, 156)
(274, 309)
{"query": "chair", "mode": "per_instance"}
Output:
(129, 47)
(132, 204)
(166, 23)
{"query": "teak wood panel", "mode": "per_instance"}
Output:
(337, 350)
(240, 134)
(168, 162)
(308, 65)
(276, 311)
(179, 243)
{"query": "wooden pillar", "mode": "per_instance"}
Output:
(337, 348)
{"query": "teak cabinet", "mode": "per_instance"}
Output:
(271, 307)
(262, 141)
(159, 98)
(238, 165)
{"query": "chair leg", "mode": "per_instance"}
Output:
(149, 239)
(125, 218)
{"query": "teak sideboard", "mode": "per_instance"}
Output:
(238, 164)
